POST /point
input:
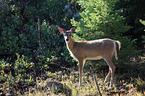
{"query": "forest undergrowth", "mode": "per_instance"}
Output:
(24, 78)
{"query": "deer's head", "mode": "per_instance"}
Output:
(67, 34)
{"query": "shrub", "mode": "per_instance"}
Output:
(18, 83)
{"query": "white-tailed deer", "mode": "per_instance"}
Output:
(92, 50)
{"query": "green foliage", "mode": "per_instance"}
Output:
(143, 37)
(19, 34)
(18, 42)
(23, 65)
(140, 82)
(17, 80)
(133, 11)
(99, 20)
(4, 65)
(143, 22)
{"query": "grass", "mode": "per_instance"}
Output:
(129, 80)
(87, 88)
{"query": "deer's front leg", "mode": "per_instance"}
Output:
(81, 65)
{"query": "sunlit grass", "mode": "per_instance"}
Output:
(62, 83)
(87, 88)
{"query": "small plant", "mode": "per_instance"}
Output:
(140, 84)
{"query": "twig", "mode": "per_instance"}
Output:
(96, 83)
(40, 46)
(39, 33)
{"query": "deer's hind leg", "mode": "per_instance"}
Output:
(107, 77)
(111, 71)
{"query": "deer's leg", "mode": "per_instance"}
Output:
(108, 75)
(112, 70)
(81, 65)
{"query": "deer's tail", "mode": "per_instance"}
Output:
(119, 46)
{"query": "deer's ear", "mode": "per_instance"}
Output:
(60, 30)
(73, 29)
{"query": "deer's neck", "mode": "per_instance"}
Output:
(70, 43)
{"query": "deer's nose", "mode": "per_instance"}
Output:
(67, 39)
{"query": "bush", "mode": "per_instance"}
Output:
(18, 83)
